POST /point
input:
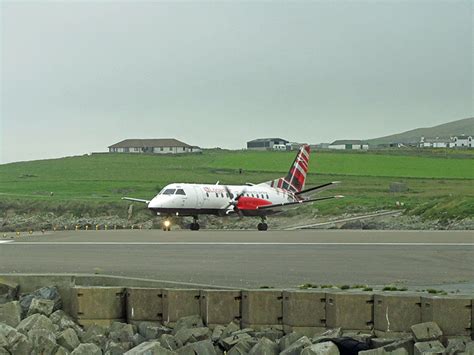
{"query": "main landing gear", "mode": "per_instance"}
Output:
(195, 225)
(262, 226)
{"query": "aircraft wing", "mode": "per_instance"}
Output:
(135, 199)
(319, 188)
(285, 204)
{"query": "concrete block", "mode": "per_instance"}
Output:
(426, 331)
(178, 303)
(98, 303)
(396, 312)
(452, 314)
(220, 307)
(351, 311)
(262, 309)
(144, 304)
(304, 312)
(429, 347)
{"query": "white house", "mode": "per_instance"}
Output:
(158, 146)
(266, 143)
(349, 144)
(463, 141)
(436, 142)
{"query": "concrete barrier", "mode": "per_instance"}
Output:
(304, 312)
(220, 307)
(452, 314)
(144, 304)
(351, 310)
(179, 303)
(395, 313)
(262, 309)
(98, 305)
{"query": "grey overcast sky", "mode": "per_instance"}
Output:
(79, 76)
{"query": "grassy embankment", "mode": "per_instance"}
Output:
(440, 182)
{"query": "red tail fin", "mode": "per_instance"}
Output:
(295, 179)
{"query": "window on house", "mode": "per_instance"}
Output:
(184, 149)
(161, 149)
(171, 148)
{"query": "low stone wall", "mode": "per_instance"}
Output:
(135, 300)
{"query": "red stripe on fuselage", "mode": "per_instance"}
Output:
(251, 203)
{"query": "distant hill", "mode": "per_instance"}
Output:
(464, 126)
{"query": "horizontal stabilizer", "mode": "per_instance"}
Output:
(286, 204)
(319, 188)
(136, 200)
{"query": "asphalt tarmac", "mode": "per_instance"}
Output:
(251, 258)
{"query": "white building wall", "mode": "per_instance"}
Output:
(337, 146)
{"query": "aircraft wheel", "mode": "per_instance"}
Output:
(195, 226)
(262, 226)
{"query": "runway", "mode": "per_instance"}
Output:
(251, 258)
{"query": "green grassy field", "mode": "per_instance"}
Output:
(439, 185)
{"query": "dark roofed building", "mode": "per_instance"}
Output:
(266, 143)
(159, 146)
(349, 144)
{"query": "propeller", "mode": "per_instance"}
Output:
(234, 201)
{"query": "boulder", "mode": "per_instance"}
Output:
(152, 330)
(470, 348)
(297, 346)
(400, 346)
(323, 348)
(328, 334)
(264, 347)
(137, 339)
(242, 347)
(4, 351)
(149, 348)
(61, 351)
(426, 331)
(46, 293)
(35, 321)
(230, 341)
(87, 349)
(117, 348)
(68, 339)
(43, 341)
(192, 335)
(188, 322)
(8, 291)
(14, 341)
(288, 339)
(217, 332)
(170, 342)
(10, 313)
(457, 345)
(92, 332)
(199, 348)
(64, 321)
(41, 306)
(269, 333)
(429, 347)
(229, 329)
(121, 332)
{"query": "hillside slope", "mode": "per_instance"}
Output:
(464, 126)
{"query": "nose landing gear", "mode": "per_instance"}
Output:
(167, 225)
(262, 226)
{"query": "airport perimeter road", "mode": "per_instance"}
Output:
(251, 259)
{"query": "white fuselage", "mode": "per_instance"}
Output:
(195, 199)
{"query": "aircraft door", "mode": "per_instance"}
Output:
(199, 197)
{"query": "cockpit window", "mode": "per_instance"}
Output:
(180, 192)
(169, 192)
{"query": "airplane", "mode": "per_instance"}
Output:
(249, 200)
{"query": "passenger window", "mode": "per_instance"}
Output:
(169, 192)
(252, 195)
(180, 192)
(222, 194)
(207, 194)
(268, 197)
(217, 195)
